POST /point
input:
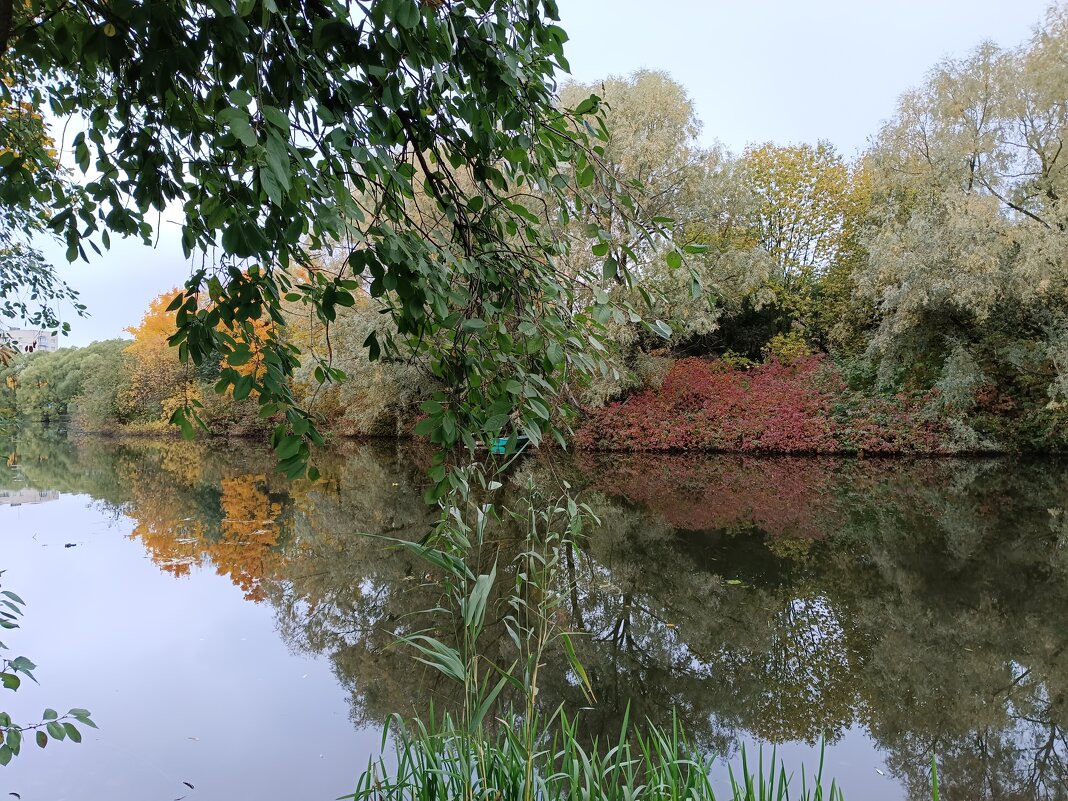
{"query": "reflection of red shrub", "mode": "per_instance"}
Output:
(796, 497)
(781, 496)
(801, 408)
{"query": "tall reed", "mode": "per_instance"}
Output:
(490, 750)
(438, 762)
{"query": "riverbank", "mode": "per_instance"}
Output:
(811, 405)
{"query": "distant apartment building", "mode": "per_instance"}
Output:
(28, 340)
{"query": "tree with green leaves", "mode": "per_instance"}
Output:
(33, 183)
(45, 386)
(283, 129)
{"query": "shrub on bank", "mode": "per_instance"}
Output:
(802, 407)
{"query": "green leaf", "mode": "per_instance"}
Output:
(289, 448)
(660, 328)
(495, 423)
(475, 606)
(82, 716)
(576, 665)
(406, 13)
(14, 741)
(241, 355)
(5, 755)
(437, 655)
(277, 154)
(243, 386)
(589, 105)
(555, 353)
(239, 97)
(276, 118)
(22, 664)
(426, 426)
(374, 352)
(237, 120)
(42, 739)
(271, 185)
(674, 259)
(448, 428)
(538, 408)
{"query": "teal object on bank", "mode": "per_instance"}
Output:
(501, 445)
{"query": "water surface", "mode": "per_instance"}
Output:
(233, 631)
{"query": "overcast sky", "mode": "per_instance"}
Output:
(786, 71)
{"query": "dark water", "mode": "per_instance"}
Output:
(233, 631)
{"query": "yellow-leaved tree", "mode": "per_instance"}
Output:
(156, 383)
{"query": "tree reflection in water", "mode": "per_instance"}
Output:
(784, 599)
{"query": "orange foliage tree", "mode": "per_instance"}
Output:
(156, 381)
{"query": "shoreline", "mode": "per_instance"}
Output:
(174, 434)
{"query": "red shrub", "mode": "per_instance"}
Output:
(804, 407)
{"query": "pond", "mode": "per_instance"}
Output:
(232, 633)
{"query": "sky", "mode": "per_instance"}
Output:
(786, 71)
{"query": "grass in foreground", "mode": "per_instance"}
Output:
(436, 764)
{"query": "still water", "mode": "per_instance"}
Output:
(232, 633)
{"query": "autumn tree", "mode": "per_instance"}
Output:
(783, 223)
(154, 379)
(653, 147)
(651, 129)
(801, 197)
(652, 144)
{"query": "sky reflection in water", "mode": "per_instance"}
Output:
(229, 630)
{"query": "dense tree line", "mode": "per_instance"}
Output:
(934, 264)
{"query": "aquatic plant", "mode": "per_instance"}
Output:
(502, 744)
(446, 762)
